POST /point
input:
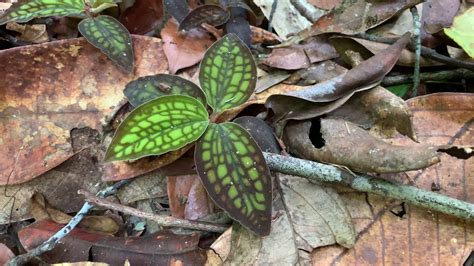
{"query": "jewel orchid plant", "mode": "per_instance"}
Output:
(171, 112)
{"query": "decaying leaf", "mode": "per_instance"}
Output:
(68, 84)
(41, 210)
(162, 248)
(286, 18)
(324, 97)
(183, 49)
(35, 33)
(344, 143)
(353, 17)
(395, 233)
(379, 110)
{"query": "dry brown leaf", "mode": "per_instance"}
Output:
(379, 110)
(50, 89)
(183, 49)
(41, 210)
(353, 17)
(407, 58)
(346, 144)
(312, 101)
(419, 236)
(35, 33)
(299, 56)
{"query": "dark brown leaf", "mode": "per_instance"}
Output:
(143, 16)
(210, 14)
(163, 248)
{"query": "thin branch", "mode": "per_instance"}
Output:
(326, 173)
(53, 240)
(426, 52)
(417, 37)
(163, 220)
(444, 75)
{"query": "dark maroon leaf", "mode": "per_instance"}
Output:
(163, 248)
(210, 14)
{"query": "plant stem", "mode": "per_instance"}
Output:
(327, 173)
(166, 221)
(425, 51)
(444, 75)
(54, 239)
(417, 37)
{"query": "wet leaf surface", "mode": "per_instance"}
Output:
(163, 248)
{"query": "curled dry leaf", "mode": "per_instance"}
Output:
(183, 49)
(68, 84)
(407, 57)
(344, 143)
(354, 17)
(332, 93)
(394, 233)
(163, 248)
(378, 109)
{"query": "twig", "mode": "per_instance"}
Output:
(417, 37)
(426, 52)
(166, 221)
(460, 73)
(326, 173)
(53, 240)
